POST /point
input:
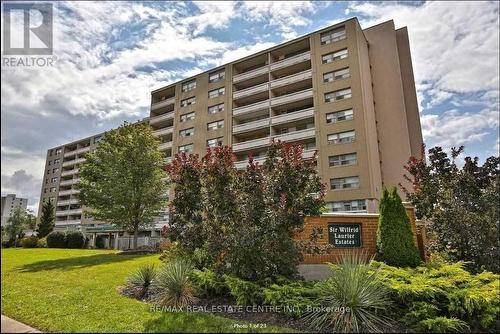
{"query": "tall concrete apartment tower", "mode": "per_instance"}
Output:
(346, 92)
(9, 204)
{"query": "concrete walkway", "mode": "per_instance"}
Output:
(12, 326)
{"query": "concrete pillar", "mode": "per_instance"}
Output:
(116, 240)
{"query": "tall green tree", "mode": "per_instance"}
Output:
(460, 202)
(123, 181)
(395, 241)
(17, 223)
(47, 219)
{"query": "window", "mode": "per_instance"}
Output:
(56, 161)
(187, 102)
(344, 183)
(216, 92)
(333, 36)
(356, 205)
(338, 95)
(55, 170)
(45, 190)
(343, 159)
(337, 55)
(53, 180)
(338, 116)
(47, 181)
(336, 75)
(186, 132)
(342, 137)
(58, 151)
(187, 117)
(217, 76)
(215, 109)
(52, 189)
(50, 153)
(215, 125)
(186, 148)
(215, 142)
(50, 162)
(48, 171)
(187, 86)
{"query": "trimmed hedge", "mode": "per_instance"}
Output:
(29, 242)
(56, 239)
(74, 239)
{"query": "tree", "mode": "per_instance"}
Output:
(460, 204)
(47, 220)
(395, 242)
(16, 224)
(122, 181)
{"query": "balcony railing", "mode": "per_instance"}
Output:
(78, 151)
(72, 162)
(262, 142)
(68, 192)
(293, 116)
(254, 125)
(162, 117)
(69, 172)
(251, 107)
(250, 74)
(163, 103)
(69, 212)
(167, 160)
(68, 222)
(251, 144)
(297, 135)
(68, 202)
(290, 79)
(306, 154)
(291, 61)
(250, 91)
(69, 182)
(297, 96)
(164, 131)
(165, 146)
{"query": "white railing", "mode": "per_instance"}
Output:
(69, 172)
(68, 212)
(250, 144)
(251, 74)
(306, 154)
(297, 96)
(164, 131)
(125, 243)
(68, 222)
(78, 151)
(68, 192)
(304, 75)
(68, 202)
(166, 145)
(291, 60)
(297, 135)
(261, 123)
(72, 162)
(251, 90)
(293, 116)
(251, 107)
(167, 160)
(163, 103)
(69, 182)
(162, 117)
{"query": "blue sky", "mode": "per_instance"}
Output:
(112, 54)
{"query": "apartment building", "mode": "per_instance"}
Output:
(9, 204)
(347, 92)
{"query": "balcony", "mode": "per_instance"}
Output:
(69, 172)
(163, 103)
(297, 135)
(306, 154)
(250, 74)
(72, 162)
(251, 144)
(291, 61)
(68, 202)
(297, 96)
(293, 116)
(78, 151)
(69, 212)
(69, 182)
(163, 132)
(254, 125)
(68, 192)
(251, 108)
(290, 79)
(167, 160)
(165, 146)
(68, 222)
(162, 117)
(250, 91)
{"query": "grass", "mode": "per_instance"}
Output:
(70, 290)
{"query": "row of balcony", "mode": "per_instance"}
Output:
(77, 151)
(68, 192)
(69, 172)
(273, 66)
(275, 101)
(163, 131)
(69, 182)
(162, 117)
(266, 141)
(163, 103)
(304, 75)
(306, 154)
(165, 146)
(72, 162)
(69, 212)
(68, 202)
(275, 120)
(68, 222)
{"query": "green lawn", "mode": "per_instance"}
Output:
(69, 290)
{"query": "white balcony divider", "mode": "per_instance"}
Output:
(293, 116)
(300, 95)
(163, 103)
(162, 117)
(296, 77)
(250, 144)
(254, 125)
(251, 90)
(251, 107)
(72, 162)
(164, 131)
(250, 74)
(291, 60)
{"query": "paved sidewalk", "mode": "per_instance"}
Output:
(12, 326)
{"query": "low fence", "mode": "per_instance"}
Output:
(125, 243)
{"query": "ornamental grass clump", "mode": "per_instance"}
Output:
(142, 279)
(174, 285)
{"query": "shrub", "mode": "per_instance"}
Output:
(172, 251)
(395, 242)
(352, 299)
(142, 279)
(29, 242)
(208, 284)
(42, 243)
(6, 243)
(74, 239)
(294, 298)
(443, 298)
(56, 239)
(245, 293)
(174, 284)
(99, 242)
